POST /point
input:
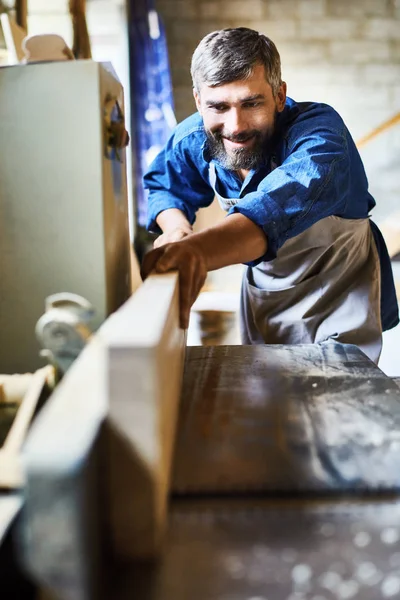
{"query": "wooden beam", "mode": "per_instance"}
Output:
(62, 497)
(145, 350)
(21, 13)
(13, 36)
(11, 471)
(85, 477)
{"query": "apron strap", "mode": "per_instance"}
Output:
(225, 203)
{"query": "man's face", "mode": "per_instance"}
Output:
(239, 119)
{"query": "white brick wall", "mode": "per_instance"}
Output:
(298, 53)
(321, 42)
(359, 52)
(282, 29)
(282, 9)
(328, 29)
(209, 10)
(382, 29)
(179, 9)
(343, 52)
(360, 9)
(237, 9)
(387, 74)
(312, 9)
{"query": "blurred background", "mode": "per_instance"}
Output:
(346, 54)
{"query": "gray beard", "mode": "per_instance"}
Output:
(240, 158)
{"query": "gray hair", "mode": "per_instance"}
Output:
(231, 55)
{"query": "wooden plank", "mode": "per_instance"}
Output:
(21, 13)
(136, 280)
(11, 471)
(13, 37)
(14, 387)
(145, 348)
(296, 419)
(62, 527)
(132, 369)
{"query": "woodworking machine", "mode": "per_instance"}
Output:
(158, 471)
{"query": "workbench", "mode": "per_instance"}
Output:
(285, 481)
(276, 477)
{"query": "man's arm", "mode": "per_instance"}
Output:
(178, 176)
(236, 240)
(174, 225)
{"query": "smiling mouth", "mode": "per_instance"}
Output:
(239, 143)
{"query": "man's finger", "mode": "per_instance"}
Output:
(149, 262)
(185, 298)
(158, 242)
(169, 261)
(191, 280)
(192, 273)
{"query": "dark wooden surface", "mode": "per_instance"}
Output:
(294, 419)
(320, 424)
(264, 550)
(320, 420)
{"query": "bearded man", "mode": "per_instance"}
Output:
(296, 194)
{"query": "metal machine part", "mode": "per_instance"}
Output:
(64, 330)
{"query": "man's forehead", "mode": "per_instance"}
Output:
(240, 90)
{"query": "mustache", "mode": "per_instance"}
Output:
(238, 137)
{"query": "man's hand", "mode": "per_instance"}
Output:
(236, 240)
(191, 265)
(175, 235)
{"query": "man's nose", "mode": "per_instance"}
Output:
(235, 122)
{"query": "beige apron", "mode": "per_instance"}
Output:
(323, 285)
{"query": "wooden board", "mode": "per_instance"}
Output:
(11, 471)
(145, 350)
(95, 489)
(13, 37)
(62, 522)
(295, 419)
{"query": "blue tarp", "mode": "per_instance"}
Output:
(151, 92)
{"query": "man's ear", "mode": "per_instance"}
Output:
(197, 100)
(281, 97)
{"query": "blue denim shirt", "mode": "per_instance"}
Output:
(313, 172)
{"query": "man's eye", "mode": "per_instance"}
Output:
(220, 107)
(251, 104)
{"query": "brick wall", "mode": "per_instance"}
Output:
(343, 52)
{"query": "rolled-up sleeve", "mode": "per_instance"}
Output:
(309, 185)
(177, 178)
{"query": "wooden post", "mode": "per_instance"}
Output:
(21, 13)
